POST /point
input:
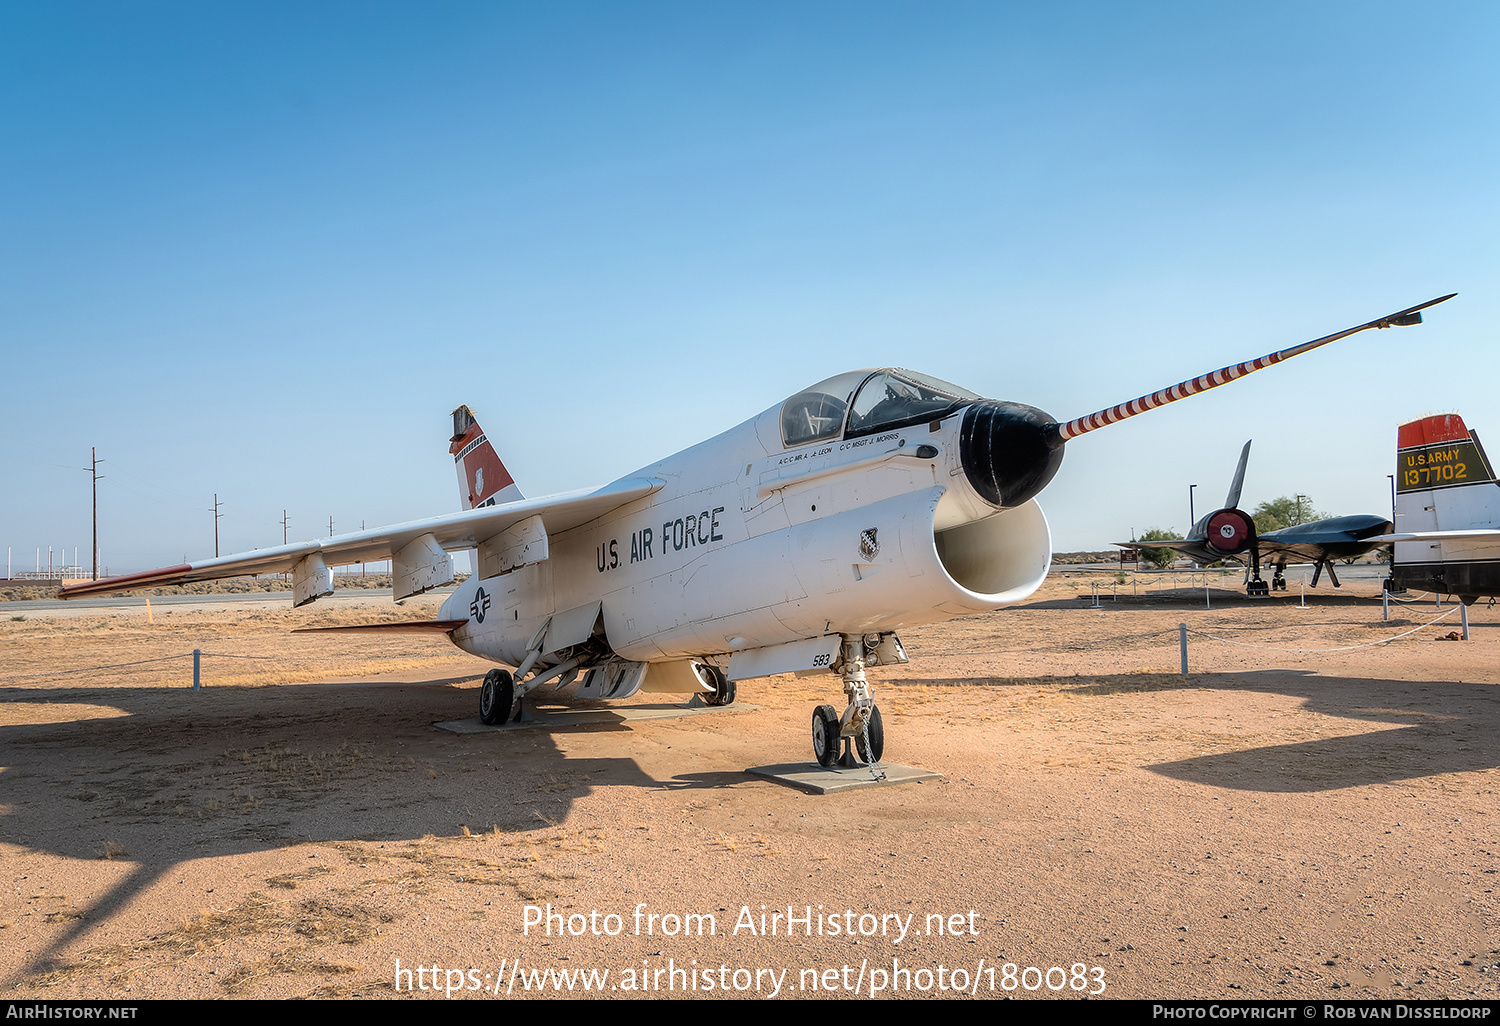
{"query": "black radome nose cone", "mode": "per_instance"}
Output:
(1009, 451)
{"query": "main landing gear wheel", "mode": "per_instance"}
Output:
(724, 689)
(825, 734)
(877, 738)
(497, 696)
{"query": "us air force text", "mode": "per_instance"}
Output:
(683, 533)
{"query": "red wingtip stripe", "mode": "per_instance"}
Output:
(124, 582)
(1446, 427)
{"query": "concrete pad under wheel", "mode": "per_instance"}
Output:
(816, 779)
(555, 718)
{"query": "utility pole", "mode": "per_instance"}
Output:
(93, 469)
(283, 527)
(1192, 519)
(217, 515)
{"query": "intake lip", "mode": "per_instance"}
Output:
(1008, 451)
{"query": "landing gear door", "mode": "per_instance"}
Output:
(815, 655)
(889, 652)
(618, 678)
(573, 627)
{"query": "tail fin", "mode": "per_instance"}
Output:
(1233, 499)
(1447, 510)
(1444, 481)
(482, 478)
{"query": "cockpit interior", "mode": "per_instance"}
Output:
(864, 402)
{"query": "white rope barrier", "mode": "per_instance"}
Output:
(1342, 648)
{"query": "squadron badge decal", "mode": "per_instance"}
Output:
(869, 547)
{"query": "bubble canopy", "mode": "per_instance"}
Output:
(870, 401)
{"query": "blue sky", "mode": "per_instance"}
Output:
(263, 250)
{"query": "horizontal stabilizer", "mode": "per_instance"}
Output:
(1471, 534)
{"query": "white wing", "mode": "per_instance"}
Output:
(411, 546)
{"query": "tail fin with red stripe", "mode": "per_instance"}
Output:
(482, 478)
(1447, 535)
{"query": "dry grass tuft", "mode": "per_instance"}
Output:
(289, 881)
(290, 962)
(320, 920)
(112, 850)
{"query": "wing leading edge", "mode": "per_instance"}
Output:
(469, 529)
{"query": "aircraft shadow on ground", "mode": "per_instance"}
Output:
(231, 771)
(1446, 727)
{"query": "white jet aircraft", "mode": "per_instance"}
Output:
(799, 542)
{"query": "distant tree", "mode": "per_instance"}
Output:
(1159, 558)
(1286, 511)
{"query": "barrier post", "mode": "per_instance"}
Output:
(1385, 604)
(1182, 643)
(1463, 614)
(198, 660)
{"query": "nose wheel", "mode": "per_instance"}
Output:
(828, 739)
(825, 735)
(858, 736)
(870, 742)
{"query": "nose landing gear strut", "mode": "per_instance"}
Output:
(858, 736)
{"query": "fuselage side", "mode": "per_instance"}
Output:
(752, 542)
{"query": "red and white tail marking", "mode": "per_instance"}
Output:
(1446, 427)
(1447, 505)
(482, 478)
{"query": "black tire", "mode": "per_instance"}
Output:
(877, 738)
(724, 689)
(497, 696)
(825, 735)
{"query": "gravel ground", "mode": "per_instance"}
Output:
(1280, 823)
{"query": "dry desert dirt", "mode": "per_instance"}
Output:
(1280, 823)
